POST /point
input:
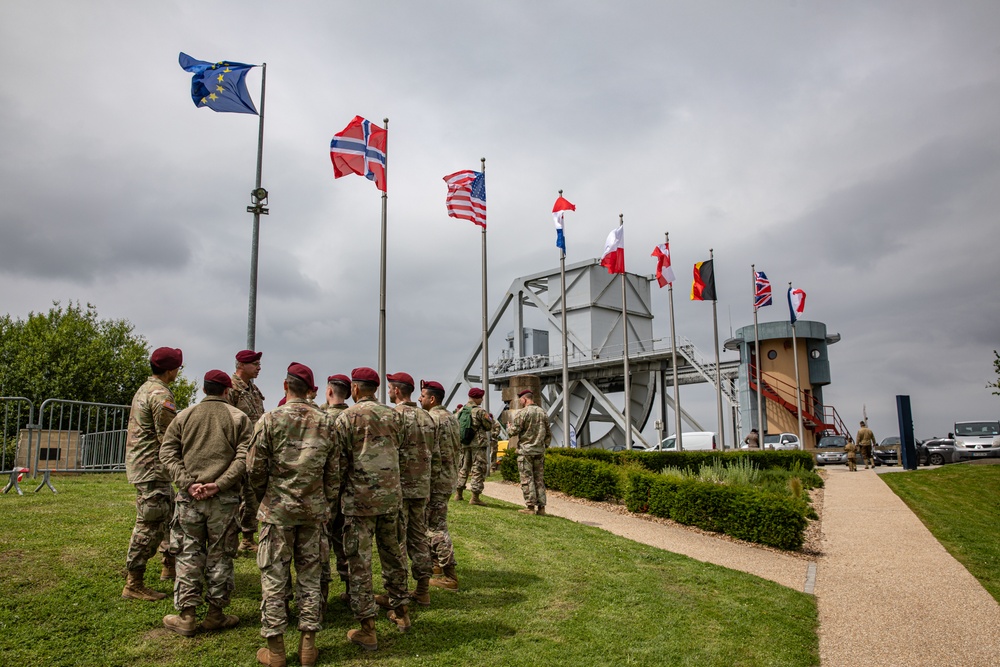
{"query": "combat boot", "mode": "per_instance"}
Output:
(530, 509)
(136, 589)
(365, 637)
(383, 601)
(168, 573)
(307, 648)
(446, 580)
(437, 570)
(401, 617)
(458, 494)
(216, 619)
(540, 511)
(422, 595)
(274, 654)
(474, 500)
(247, 543)
(183, 624)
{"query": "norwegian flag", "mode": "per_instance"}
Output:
(664, 272)
(762, 290)
(796, 303)
(467, 196)
(360, 149)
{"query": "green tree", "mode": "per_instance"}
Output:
(71, 353)
(995, 385)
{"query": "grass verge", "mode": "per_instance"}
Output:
(960, 505)
(534, 590)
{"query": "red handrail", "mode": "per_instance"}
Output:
(818, 417)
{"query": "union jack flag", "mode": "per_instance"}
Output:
(762, 290)
(467, 196)
(360, 149)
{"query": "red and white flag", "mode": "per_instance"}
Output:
(466, 197)
(796, 303)
(613, 258)
(664, 273)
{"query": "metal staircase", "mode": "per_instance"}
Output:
(707, 370)
(816, 417)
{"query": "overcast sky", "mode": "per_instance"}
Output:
(851, 147)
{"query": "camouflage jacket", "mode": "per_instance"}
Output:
(152, 411)
(482, 425)
(247, 397)
(294, 464)
(415, 451)
(531, 427)
(333, 410)
(444, 466)
(369, 436)
(207, 443)
(865, 436)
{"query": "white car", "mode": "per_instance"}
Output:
(691, 441)
(781, 441)
(977, 440)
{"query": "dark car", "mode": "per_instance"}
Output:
(887, 452)
(938, 451)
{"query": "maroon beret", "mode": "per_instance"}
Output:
(248, 356)
(219, 377)
(524, 392)
(459, 406)
(284, 399)
(476, 392)
(402, 378)
(339, 379)
(302, 372)
(364, 374)
(424, 384)
(167, 358)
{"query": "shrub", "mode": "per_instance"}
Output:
(656, 461)
(508, 467)
(594, 480)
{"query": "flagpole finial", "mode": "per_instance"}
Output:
(385, 120)
(560, 193)
(666, 237)
(621, 218)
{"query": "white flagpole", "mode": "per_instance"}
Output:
(718, 372)
(798, 385)
(565, 343)
(756, 356)
(628, 396)
(486, 339)
(381, 294)
(673, 356)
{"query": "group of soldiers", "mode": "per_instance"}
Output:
(865, 442)
(322, 481)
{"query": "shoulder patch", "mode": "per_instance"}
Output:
(169, 405)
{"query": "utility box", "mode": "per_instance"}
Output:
(536, 341)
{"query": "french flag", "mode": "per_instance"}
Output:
(613, 258)
(561, 206)
(796, 303)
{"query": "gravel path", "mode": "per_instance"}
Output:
(888, 593)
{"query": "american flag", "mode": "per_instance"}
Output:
(467, 196)
(762, 290)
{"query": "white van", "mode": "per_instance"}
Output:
(693, 441)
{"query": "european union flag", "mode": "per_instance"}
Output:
(219, 86)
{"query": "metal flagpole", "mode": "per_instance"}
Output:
(486, 340)
(718, 373)
(381, 291)
(798, 386)
(673, 358)
(756, 356)
(259, 199)
(565, 347)
(628, 394)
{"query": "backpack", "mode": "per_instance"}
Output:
(465, 431)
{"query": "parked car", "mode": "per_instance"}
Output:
(781, 441)
(977, 440)
(888, 451)
(937, 451)
(830, 451)
(636, 447)
(691, 441)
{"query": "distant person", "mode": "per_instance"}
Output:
(752, 441)
(153, 409)
(247, 397)
(866, 440)
(851, 450)
(530, 425)
(205, 451)
(475, 446)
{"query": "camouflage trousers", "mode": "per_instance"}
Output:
(333, 544)
(476, 460)
(413, 540)
(154, 510)
(278, 547)
(204, 539)
(248, 507)
(532, 472)
(442, 550)
(358, 534)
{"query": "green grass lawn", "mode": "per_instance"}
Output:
(960, 505)
(534, 591)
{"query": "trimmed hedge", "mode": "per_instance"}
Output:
(657, 461)
(508, 467)
(593, 480)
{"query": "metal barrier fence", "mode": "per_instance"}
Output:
(17, 419)
(76, 436)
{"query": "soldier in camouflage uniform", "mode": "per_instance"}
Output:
(369, 435)
(866, 441)
(338, 390)
(475, 454)
(153, 409)
(246, 396)
(415, 480)
(205, 451)
(496, 433)
(444, 474)
(530, 425)
(294, 465)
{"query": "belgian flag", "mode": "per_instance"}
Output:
(703, 287)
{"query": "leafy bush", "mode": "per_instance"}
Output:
(508, 467)
(594, 480)
(656, 461)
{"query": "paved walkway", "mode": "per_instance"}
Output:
(887, 591)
